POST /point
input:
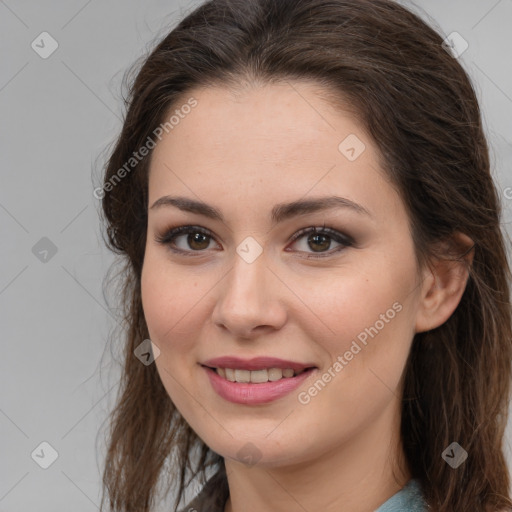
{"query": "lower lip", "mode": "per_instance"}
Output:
(252, 393)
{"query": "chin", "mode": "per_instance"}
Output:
(260, 452)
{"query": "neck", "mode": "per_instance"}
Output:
(357, 475)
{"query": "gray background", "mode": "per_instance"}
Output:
(57, 117)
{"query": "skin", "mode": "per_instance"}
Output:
(243, 153)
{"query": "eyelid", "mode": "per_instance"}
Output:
(323, 230)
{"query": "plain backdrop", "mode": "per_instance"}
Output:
(59, 113)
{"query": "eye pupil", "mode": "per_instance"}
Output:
(198, 238)
(315, 238)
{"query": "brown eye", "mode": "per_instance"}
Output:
(319, 240)
(186, 239)
(198, 241)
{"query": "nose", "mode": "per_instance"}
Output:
(249, 301)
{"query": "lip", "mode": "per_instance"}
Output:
(257, 363)
(252, 393)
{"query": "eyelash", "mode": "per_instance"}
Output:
(168, 237)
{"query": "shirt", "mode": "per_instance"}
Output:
(408, 499)
(214, 494)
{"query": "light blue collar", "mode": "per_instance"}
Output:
(408, 499)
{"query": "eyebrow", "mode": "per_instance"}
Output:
(280, 212)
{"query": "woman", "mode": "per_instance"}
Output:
(302, 196)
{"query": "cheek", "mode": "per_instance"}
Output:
(170, 299)
(370, 316)
(171, 304)
(358, 301)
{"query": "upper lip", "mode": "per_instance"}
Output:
(257, 363)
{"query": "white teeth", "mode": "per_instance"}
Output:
(242, 375)
(256, 376)
(259, 376)
(275, 374)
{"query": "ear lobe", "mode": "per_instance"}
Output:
(444, 282)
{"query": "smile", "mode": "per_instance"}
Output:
(257, 376)
(237, 386)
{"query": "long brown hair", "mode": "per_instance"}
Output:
(420, 108)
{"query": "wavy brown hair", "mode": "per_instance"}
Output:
(421, 110)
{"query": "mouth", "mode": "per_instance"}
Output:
(256, 387)
(262, 376)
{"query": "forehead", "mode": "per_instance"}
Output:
(289, 119)
(280, 142)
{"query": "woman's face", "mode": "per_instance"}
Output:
(343, 300)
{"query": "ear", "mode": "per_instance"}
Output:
(444, 282)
